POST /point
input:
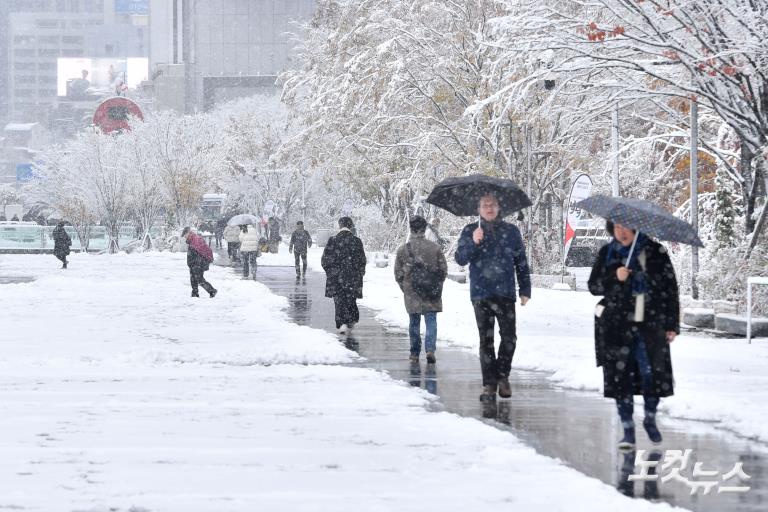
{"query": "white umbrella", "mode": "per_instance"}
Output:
(243, 218)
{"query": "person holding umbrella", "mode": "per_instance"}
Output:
(639, 314)
(495, 253)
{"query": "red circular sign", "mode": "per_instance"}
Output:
(113, 114)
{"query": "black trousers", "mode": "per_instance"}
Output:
(196, 278)
(303, 257)
(249, 262)
(346, 308)
(61, 257)
(486, 312)
(232, 250)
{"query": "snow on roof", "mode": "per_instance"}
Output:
(20, 127)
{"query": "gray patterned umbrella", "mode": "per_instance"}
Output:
(642, 216)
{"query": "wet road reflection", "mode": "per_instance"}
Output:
(15, 279)
(580, 429)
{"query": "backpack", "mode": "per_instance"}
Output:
(428, 284)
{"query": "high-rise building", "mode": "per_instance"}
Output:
(204, 52)
(36, 34)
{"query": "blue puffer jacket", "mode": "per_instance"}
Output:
(494, 262)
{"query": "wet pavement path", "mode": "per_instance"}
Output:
(580, 429)
(15, 279)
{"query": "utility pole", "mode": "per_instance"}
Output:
(615, 150)
(694, 193)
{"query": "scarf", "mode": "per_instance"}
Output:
(618, 253)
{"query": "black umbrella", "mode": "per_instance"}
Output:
(461, 195)
(641, 216)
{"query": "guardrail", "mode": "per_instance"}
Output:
(24, 237)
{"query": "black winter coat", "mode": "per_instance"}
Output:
(300, 241)
(196, 261)
(62, 242)
(615, 326)
(344, 264)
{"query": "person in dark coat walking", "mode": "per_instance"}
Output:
(199, 258)
(420, 251)
(273, 235)
(221, 224)
(301, 241)
(495, 252)
(344, 264)
(61, 243)
(637, 319)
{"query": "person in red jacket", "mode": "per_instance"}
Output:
(199, 257)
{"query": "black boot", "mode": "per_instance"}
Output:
(649, 423)
(626, 407)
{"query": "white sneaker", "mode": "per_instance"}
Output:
(343, 329)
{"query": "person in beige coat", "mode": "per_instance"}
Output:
(420, 270)
(249, 248)
(232, 237)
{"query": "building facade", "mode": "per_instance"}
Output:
(35, 34)
(224, 49)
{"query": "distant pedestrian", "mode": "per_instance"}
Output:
(301, 241)
(232, 237)
(420, 270)
(344, 264)
(199, 258)
(61, 243)
(637, 319)
(219, 232)
(249, 249)
(495, 252)
(273, 237)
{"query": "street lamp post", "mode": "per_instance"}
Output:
(694, 193)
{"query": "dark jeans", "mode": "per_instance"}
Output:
(303, 256)
(346, 308)
(62, 257)
(196, 278)
(232, 250)
(249, 258)
(218, 240)
(486, 313)
(626, 405)
(414, 332)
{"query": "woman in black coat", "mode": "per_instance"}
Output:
(344, 264)
(62, 242)
(637, 319)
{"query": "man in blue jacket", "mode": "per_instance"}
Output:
(495, 252)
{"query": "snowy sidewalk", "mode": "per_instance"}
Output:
(119, 390)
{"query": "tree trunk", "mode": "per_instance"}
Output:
(745, 166)
(761, 220)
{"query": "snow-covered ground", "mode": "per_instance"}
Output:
(118, 391)
(722, 380)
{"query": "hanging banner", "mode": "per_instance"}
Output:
(581, 189)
